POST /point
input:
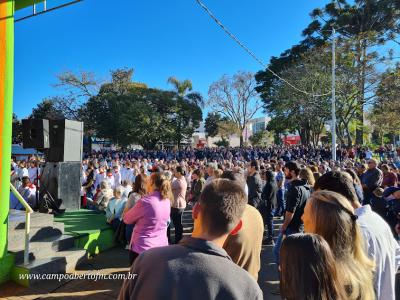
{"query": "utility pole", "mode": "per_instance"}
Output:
(333, 125)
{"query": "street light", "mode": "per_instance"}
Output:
(333, 107)
(333, 125)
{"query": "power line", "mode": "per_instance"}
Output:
(45, 10)
(251, 53)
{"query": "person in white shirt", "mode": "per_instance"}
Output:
(115, 208)
(85, 164)
(101, 176)
(22, 170)
(127, 173)
(83, 175)
(28, 192)
(33, 171)
(127, 188)
(117, 176)
(378, 238)
(110, 179)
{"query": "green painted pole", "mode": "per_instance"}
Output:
(6, 102)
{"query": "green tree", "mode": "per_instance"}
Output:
(184, 89)
(16, 130)
(296, 111)
(368, 24)
(188, 112)
(188, 116)
(384, 115)
(211, 123)
(364, 29)
(260, 139)
(46, 110)
(143, 116)
(120, 85)
(181, 87)
(222, 143)
(226, 128)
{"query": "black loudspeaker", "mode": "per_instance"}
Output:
(62, 180)
(35, 133)
(66, 138)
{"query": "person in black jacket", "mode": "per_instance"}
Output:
(254, 184)
(371, 180)
(268, 204)
(298, 193)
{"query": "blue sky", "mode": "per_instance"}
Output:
(157, 38)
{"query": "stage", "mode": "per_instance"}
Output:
(57, 244)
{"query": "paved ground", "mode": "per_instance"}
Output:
(115, 261)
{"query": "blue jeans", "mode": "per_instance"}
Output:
(128, 232)
(115, 223)
(278, 243)
(268, 218)
(369, 197)
(280, 196)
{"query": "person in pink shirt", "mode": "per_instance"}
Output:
(150, 216)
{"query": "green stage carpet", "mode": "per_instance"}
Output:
(82, 222)
(90, 229)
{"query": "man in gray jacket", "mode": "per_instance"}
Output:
(198, 267)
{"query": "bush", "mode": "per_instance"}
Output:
(222, 143)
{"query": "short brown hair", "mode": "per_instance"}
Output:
(307, 174)
(339, 182)
(222, 202)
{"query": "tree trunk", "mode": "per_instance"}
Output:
(302, 134)
(349, 139)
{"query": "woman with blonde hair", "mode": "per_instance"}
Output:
(150, 216)
(307, 174)
(331, 215)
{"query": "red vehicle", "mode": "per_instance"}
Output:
(291, 140)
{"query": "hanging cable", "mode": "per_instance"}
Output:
(251, 53)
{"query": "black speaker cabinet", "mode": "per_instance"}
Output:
(35, 133)
(63, 181)
(66, 138)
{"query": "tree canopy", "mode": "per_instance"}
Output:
(128, 113)
(366, 30)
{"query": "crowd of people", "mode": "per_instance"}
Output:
(337, 240)
(286, 152)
